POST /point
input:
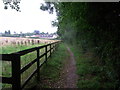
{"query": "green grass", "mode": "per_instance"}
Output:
(25, 59)
(15, 48)
(51, 71)
(89, 70)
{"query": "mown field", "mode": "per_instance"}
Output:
(9, 47)
(6, 41)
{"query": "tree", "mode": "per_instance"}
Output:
(14, 4)
(14, 32)
(5, 32)
(48, 6)
(9, 32)
(55, 23)
(95, 27)
(36, 32)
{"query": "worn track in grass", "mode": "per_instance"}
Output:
(68, 77)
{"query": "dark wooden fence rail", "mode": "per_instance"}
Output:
(14, 58)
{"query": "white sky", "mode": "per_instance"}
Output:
(29, 19)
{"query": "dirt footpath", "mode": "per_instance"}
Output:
(68, 78)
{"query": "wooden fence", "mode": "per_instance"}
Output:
(14, 58)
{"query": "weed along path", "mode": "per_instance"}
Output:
(68, 78)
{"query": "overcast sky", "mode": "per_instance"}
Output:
(29, 19)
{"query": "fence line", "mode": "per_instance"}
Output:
(14, 58)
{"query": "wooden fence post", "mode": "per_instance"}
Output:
(46, 54)
(16, 85)
(38, 64)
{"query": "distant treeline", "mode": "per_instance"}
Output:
(7, 33)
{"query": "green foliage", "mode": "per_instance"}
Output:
(93, 27)
(49, 6)
(12, 4)
(91, 73)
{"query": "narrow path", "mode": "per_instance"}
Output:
(68, 78)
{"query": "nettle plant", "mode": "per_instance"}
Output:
(13, 4)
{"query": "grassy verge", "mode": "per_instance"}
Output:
(25, 59)
(51, 72)
(90, 71)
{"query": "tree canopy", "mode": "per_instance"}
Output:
(13, 4)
